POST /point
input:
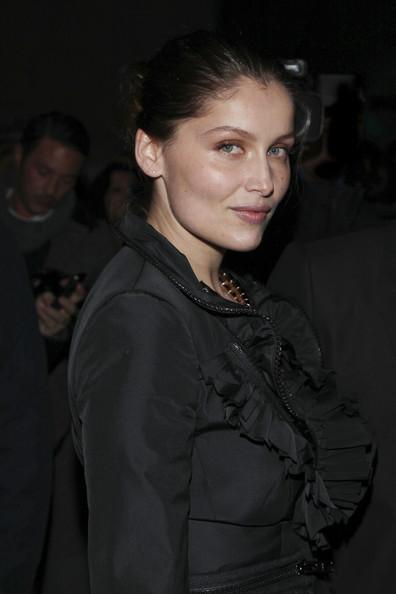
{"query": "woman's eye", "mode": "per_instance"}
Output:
(278, 151)
(230, 148)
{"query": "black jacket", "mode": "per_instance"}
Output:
(347, 285)
(207, 429)
(25, 449)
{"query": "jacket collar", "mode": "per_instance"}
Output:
(142, 237)
(136, 233)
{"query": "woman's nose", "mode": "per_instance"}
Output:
(260, 178)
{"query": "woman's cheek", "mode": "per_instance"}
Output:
(222, 182)
(284, 179)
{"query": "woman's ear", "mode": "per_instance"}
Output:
(148, 153)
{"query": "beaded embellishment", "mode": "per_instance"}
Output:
(232, 289)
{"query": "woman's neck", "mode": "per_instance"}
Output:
(204, 259)
(210, 275)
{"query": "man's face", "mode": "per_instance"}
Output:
(45, 176)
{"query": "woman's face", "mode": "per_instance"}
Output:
(221, 177)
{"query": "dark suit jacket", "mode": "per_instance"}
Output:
(347, 286)
(24, 421)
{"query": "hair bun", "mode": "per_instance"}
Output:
(132, 78)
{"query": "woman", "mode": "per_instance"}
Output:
(216, 451)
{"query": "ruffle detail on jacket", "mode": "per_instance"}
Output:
(330, 451)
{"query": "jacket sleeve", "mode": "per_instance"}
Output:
(137, 384)
(292, 277)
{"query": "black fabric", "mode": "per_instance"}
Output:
(347, 286)
(25, 469)
(35, 260)
(279, 576)
(192, 461)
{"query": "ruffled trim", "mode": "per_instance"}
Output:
(340, 474)
(331, 454)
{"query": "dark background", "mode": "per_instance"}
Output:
(67, 55)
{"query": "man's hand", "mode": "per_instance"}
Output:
(52, 320)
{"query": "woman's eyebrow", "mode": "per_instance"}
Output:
(249, 135)
(231, 129)
(287, 136)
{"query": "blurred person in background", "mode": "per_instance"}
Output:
(101, 204)
(107, 196)
(112, 191)
(36, 206)
(37, 203)
(25, 445)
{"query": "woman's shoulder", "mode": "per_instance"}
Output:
(128, 274)
(131, 293)
(129, 307)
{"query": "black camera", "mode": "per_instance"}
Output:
(313, 106)
(56, 282)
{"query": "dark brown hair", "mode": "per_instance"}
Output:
(58, 126)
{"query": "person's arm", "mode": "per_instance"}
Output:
(25, 450)
(53, 321)
(136, 381)
(56, 323)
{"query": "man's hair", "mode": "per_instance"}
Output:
(58, 126)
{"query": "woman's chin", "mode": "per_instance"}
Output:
(246, 244)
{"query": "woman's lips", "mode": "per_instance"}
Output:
(255, 216)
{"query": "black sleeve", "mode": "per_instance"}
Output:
(25, 450)
(291, 277)
(136, 380)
